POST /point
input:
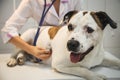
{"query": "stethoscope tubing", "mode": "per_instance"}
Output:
(42, 19)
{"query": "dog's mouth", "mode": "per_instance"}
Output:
(77, 57)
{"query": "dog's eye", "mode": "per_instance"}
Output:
(70, 27)
(90, 30)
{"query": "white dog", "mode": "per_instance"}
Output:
(77, 46)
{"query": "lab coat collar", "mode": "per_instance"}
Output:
(52, 9)
(62, 8)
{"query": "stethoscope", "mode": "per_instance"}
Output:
(42, 19)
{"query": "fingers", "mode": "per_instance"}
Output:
(40, 48)
(43, 51)
(45, 55)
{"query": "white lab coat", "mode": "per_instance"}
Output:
(34, 8)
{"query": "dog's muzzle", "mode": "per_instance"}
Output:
(76, 56)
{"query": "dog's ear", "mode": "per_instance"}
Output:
(68, 16)
(105, 19)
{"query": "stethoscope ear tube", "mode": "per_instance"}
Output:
(42, 19)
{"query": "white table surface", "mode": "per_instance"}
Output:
(33, 71)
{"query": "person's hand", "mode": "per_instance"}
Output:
(40, 53)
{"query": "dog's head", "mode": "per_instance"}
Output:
(86, 30)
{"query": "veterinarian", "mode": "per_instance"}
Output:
(33, 9)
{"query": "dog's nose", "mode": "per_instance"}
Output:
(73, 45)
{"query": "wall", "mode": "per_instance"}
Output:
(112, 7)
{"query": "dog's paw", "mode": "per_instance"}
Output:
(118, 65)
(12, 62)
(98, 77)
(101, 77)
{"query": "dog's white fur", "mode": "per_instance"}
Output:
(61, 55)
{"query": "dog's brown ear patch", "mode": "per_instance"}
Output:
(85, 12)
(96, 19)
(53, 31)
(69, 15)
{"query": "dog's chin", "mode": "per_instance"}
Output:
(77, 56)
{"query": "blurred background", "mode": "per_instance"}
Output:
(111, 37)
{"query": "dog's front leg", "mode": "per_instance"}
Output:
(21, 58)
(82, 72)
(111, 61)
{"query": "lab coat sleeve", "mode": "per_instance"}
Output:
(16, 21)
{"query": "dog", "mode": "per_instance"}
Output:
(77, 46)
